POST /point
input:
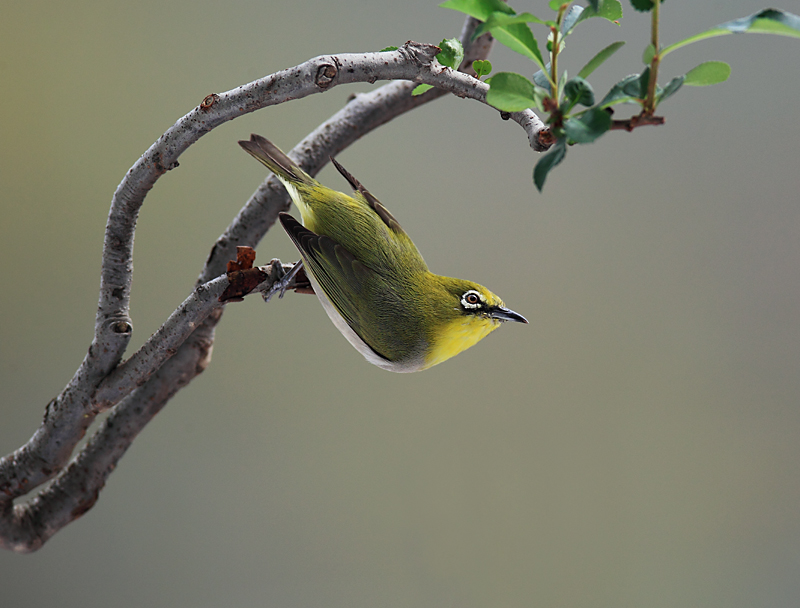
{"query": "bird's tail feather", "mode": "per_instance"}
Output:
(276, 161)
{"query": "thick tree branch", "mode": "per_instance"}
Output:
(181, 349)
(165, 369)
(163, 344)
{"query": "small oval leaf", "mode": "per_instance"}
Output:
(452, 53)
(577, 90)
(510, 92)
(710, 72)
(480, 9)
(553, 157)
(610, 10)
(649, 53)
(482, 67)
(768, 21)
(619, 94)
(588, 126)
(598, 59)
(670, 89)
(420, 89)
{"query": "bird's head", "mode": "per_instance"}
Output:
(468, 312)
(474, 301)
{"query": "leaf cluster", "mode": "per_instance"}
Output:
(570, 104)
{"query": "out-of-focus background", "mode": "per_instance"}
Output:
(638, 444)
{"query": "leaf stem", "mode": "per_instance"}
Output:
(554, 67)
(554, 48)
(650, 100)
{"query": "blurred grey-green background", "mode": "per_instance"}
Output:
(638, 444)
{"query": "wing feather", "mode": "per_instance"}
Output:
(342, 277)
(382, 212)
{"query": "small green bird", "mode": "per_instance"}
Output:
(372, 280)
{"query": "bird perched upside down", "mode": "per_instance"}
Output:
(372, 280)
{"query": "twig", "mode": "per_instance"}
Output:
(640, 120)
(652, 84)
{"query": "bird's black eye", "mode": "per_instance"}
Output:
(472, 300)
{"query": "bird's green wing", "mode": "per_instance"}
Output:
(342, 277)
(381, 211)
(378, 308)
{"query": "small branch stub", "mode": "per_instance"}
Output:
(209, 101)
(122, 327)
(326, 74)
(545, 139)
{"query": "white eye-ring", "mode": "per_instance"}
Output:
(472, 300)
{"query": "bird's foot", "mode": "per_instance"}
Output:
(282, 284)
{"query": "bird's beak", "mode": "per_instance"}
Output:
(504, 314)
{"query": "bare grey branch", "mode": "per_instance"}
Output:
(163, 344)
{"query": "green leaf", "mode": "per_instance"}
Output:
(571, 18)
(556, 4)
(420, 89)
(561, 82)
(588, 126)
(710, 72)
(452, 53)
(638, 88)
(670, 89)
(388, 48)
(768, 21)
(519, 38)
(480, 9)
(513, 32)
(619, 94)
(643, 5)
(498, 19)
(577, 90)
(610, 10)
(553, 157)
(649, 53)
(510, 92)
(598, 59)
(541, 78)
(482, 67)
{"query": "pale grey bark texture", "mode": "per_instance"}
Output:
(135, 390)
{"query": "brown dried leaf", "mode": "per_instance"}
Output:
(242, 277)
